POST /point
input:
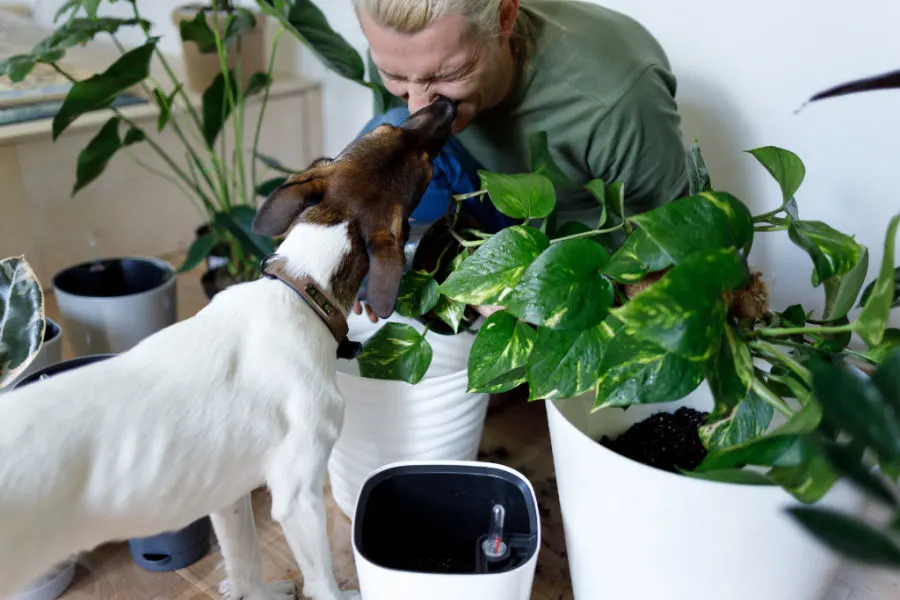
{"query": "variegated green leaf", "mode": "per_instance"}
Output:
(873, 319)
(638, 256)
(565, 364)
(22, 319)
(418, 294)
(489, 275)
(500, 354)
(520, 196)
(841, 291)
(833, 253)
(698, 173)
(396, 351)
(450, 312)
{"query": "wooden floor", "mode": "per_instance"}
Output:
(515, 434)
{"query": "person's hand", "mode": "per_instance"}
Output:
(488, 310)
(358, 309)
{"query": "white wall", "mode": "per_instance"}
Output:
(743, 70)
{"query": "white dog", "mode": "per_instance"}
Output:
(192, 419)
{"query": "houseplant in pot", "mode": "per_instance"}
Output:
(673, 317)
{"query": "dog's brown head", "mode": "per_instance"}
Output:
(373, 186)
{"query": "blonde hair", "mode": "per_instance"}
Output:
(412, 16)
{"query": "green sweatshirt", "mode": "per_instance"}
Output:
(600, 85)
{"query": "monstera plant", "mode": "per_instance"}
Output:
(22, 320)
(219, 170)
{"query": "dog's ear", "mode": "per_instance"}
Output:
(286, 202)
(386, 266)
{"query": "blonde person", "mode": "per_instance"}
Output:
(594, 79)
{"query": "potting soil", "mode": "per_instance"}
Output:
(666, 441)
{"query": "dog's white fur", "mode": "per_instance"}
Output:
(185, 424)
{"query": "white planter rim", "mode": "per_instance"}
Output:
(168, 279)
(451, 466)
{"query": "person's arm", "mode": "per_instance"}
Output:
(638, 141)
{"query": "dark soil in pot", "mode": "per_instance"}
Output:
(667, 441)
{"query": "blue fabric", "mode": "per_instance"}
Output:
(455, 172)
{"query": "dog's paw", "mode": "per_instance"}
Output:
(276, 590)
(282, 590)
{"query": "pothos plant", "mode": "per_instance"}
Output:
(647, 320)
(219, 170)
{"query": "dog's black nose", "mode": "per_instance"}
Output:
(446, 104)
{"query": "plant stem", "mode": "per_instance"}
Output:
(254, 177)
(845, 351)
(771, 397)
(464, 197)
(585, 234)
(167, 177)
(773, 332)
(771, 228)
(466, 243)
(771, 350)
(227, 99)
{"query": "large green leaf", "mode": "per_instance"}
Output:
(565, 364)
(489, 275)
(17, 67)
(198, 29)
(307, 23)
(418, 294)
(634, 371)
(637, 256)
(597, 188)
(873, 318)
(807, 481)
(520, 196)
(564, 288)
(199, 250)
(98, 91)
(895, 303)
(850, 536)
(841, 290)
(846, 460)
(748, 420)
(852, 404)
(500, 354)
(890, 343)
(450, 312)
(785, 166)
(684, 312)
(216, 107)
(833, 253)
(94, 157)
(698, 172)
(886, 379)
(698, 225)
(396, 351)
(541, 161)
(21, 317)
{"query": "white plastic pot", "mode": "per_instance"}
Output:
(109, 305)
(392, 421)
(419, 528)
(634, 532)
(51, 585)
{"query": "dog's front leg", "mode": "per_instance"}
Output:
(297, 504)
(239, 542)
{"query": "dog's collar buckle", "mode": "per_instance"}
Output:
(325, 308)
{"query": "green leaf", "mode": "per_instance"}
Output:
(269, 185)
(197, 30)
(841, 290)
(565, 364)
(77, 32)
(248, 244)
(750, 419)
(92, 160)
(846, 462)
(873, 318)
(598, 190)
(564, 287)
(808, 481)
(68, 6)
(489, 275)
(165, 105)
(243, 215)
(634, 371)
(90, 7)
(418, 294)
(698, 173)
(397, 352)
(134, 135)
(615, 199)
(890, 343)
(895, 303)
(852, 404)
(638, 256)
(199, 250)
(500, 354)
(274, 163)
(450, 312)
(258, 83)
(541, 161)
(17, 67)
(698, 225)
(520, 196)
(684, 312)
(849, 536)
(21, 317)
(216, 109)
(833, 253)
(307, 23)
(887, 379)
(785, 166)
(100, 90)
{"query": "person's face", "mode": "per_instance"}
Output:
(445, 59)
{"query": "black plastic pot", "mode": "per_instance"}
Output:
(162, 552)
(434, 518)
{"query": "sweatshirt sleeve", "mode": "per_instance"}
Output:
(638, 141)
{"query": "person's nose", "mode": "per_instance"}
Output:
(419, 98)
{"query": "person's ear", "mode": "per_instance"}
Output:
(509, 12)
(288, 201)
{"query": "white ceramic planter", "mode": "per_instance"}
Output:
(638, 533)
(392, 421)
(51, 585)
(110, 305)
(416, 518)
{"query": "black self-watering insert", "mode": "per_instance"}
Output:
(112, 277)
(437, 519)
